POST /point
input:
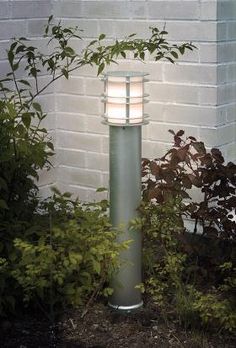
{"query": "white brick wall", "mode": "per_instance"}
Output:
(198, 94)
(27, 18)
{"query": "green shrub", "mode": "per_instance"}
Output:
(25, 147)
(73, 257)
(195, 275)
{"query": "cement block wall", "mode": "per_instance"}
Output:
(198, 94)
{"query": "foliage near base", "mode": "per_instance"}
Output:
(190, 277)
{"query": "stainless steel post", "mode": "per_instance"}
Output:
(125, 196)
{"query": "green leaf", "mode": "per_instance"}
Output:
(20, 48)
(101, 37)
(26, 119)
(142, 55)
(24, 82)
(3, 184)
(13, 45)
(65, 73)
(182, 49)
(11, 57)
(174, 54)
(3, 204)
(101, 68)
(69, 52)
(37, 107)
(101, 189)
(15, 66)
(11, 110)
(33, 72)
(50, 145)
(50, 19)
(92, 43)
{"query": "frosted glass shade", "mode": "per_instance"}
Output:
(124, 97)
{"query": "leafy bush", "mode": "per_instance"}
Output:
(25, 147)
(190, 276)
(187, 164)
(73, 256)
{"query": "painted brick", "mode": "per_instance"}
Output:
(93, 87)
(222, 31)
(208, 53)
(167, 92)
(138, 9)
(222, 73)
(31, 9)
(141, 28)
(231, 30)
(215, 137)
(230, 112)
(85, 71)
(11, 29)
(106, 9)
(85, 194)
(5, 9)
(74, 85)
(71, 122)
(155, 110)
(194, 115)
(208, 10)
(226, 9)
(226, 52)
(106, 26)
(177, 30)
(76, 176)
(4, 45)
(226, 94)
(45, 191)
(71, 158)
(173, 10)
(4, 67)
(208, 95)
(105, 144)
(68, 9)
(89, 27)
(159, 131)
(36, 27)
(154, 149)
(105, 180)
(78, 104)
(47, 102)
(94, 125)
(194, 31)
(50, 122)
(46, 177)
(195, 74)
(79, 141)
(97, 161)
(43, 81)
(197, 95)
(230, 152)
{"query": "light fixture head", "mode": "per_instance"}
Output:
(124, 98)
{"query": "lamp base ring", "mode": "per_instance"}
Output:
(126, 308)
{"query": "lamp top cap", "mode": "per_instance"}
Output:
(125, 74)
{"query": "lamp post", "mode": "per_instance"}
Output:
(124, 100)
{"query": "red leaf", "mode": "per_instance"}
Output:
(180, 133)
(155, 169)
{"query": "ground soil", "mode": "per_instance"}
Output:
(101, 328)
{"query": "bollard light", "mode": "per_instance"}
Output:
(124, 100)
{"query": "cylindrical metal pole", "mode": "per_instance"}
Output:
(125, 196)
